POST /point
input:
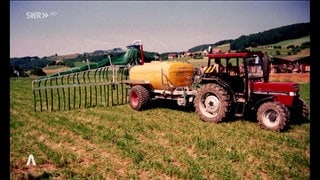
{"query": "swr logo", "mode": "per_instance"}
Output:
(36, 15)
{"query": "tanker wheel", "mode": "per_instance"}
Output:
(138, 97)
(273, 116)
(211, 103)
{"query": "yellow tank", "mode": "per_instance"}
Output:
(162, 75)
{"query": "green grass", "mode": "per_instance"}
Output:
(283, 51)
(54, 67)
(295, 42)
(78, 63)
(162, 142)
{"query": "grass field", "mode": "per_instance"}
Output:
(295, 42)
(284, 51)
(162, 142)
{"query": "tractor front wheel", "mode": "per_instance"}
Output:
(305, 110)
(138, 97)
(273, 116)
(300, 112)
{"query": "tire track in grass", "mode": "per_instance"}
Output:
(59, 121)
(84, 155)
(87, 153)
(18, 156)
(21, 108)
(167, 154)
(134, 140)
(52, 133)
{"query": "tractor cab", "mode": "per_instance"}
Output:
(234, 71)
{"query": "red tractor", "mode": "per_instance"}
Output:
(235, 85)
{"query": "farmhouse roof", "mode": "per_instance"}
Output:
(172, 54)
(292, 59)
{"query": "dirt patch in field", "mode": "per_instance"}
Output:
(31, 171)
(53, 71)
(290, 77)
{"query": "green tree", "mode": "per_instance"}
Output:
(305, 45)
(38, 72)
(70, 64)
(52, 63)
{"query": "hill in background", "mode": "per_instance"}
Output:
(268, 37)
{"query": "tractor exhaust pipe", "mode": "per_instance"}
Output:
(141, 54)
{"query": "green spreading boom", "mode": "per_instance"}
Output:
(95, 84)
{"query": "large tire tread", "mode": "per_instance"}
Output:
(305, 110)
(282, 120)
(138, 97)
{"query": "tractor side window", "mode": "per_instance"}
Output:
(215, 68)
(233, 68)
(254, 67)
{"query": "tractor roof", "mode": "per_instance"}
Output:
(231, 55)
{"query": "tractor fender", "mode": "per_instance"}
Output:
(257, 104)
(225, 85)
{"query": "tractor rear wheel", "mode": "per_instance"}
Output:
(211, 103)
(273, 116)
(138, 97)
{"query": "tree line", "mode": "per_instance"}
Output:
(271, 36)
(262, 38)
(205, 46)
(34, 64)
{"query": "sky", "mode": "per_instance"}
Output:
(45, 28)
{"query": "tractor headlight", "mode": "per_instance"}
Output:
(292, 93)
